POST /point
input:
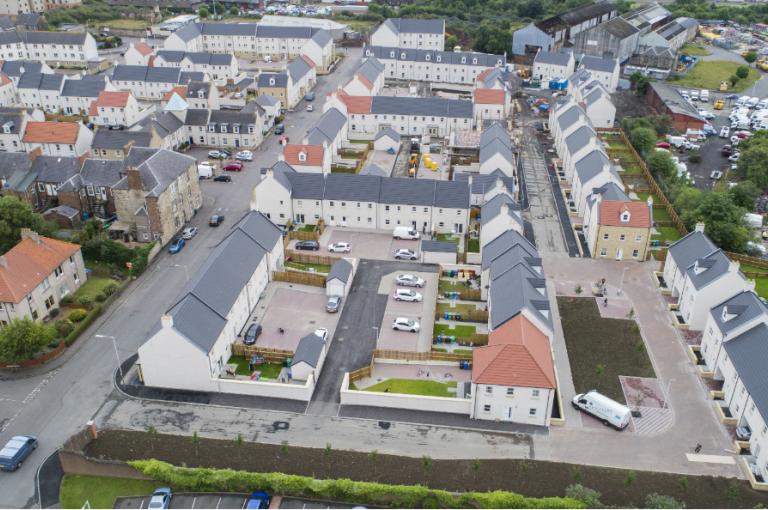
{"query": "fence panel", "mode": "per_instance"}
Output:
(308, 258)
(315, 280)
(270, 354)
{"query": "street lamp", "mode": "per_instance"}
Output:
(184, 267)
(117, 355)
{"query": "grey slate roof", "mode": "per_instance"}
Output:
(43, 37)
(426, 106)
(495, 132)
(124, 72)
(39, 81)
(570, 117)
(600, 64)
(15, 68)
(11, 162)
(13, 115)
(374, 170)
(691, 247)
(452, 195)
(265, 100)
(492, 209)
(610, 191)
(371, 69)
(517, 289)
(280, 80)
(158, 168)
(306, 186)
(171, 55)
(230, 29)
(105, 173)
(503, 243)
(483, 183)
(328, 127)
(6, 23)
(580, 138)
(407, 191)
(308, 351)
(322, 38)
(749, 354)
(512, 257)
(286, 31)
(707, 269)
(442, 57)
(355, 188)
(388, 131)
(298, 68)
(552, 58)
(196, 57)
(258, 227)
(196, 117)
(55, 169)
(496, 147)
(341, 270)
(188, 32)
(591, 165)
(413, 25)
(87, 86)
(740, 309)
(438, 246)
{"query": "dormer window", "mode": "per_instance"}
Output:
(728, 316)
(235, 128)
(211, 128)
(224, 127)
(427, 57)
(302, 156)
(498, 62)
(367, 53)
(625, 217)
(391, 54)
(201, 94)
(439, 58)
(251, 128)
(272, 81)
(402, 55)
(474, 61)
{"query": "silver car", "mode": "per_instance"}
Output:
(333, 304)
(405, 324)
(409, 280)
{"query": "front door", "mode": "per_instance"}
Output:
(619, 254)
(300, 219)
(237, 142)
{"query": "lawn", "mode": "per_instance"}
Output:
(668, 234)
(123, 24)
(305, 266)
(709, 74)
(600, 350)
(306, 228)
(100, 491)
(695, 51)
(460, 331)
(473, 246)
(414, 387)
(268, 370)
(450, 286)
(643, 195)
(661, 214)
(448, 237)
(461, 308)
(94, 286)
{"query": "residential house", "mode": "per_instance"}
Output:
(496, 152)
(594, 99)
(485, 187)
(139, 54)
(276, 85)
(13, 124)
(433, 65)
(58, 48)
(386, 139)
(158, 195)
(498, 215)
(151, 82)
(564, 119)
(201, 325)
(320, 50)
(592, 171)
(619, 229)
(426, 34)
(314, 158)
(22, 8)
(552, 66)
(330, 130)
(115, 145)
(14, 167)
(519, 290)
(491, 104)
(368, 79)
(90, 191)
(8, 95)
(50, 173)
(603, 69)
(201, 95)
(220, 128)
(58, 138)
(55, 93)
(116, 108)
(303, 76)
(505, 252)
(220, 67)
(271, 106)
(36, 274)
(578, 144)
(15, 68)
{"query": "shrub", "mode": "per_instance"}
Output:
(101, 297)
(64, 327)
(657, 500)
(77, 315)
(67, 300)
(83, 325)
(590, 497)
(110, 289)
(54, 313)
(85, 300)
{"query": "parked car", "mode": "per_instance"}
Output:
(189, 232)
(340, 248)
(15, 451)
(409, 280)
(727, 150)
(257, 500)
(307, 245)
(244, 156)
(725, 132)
(279, 129)
(253, 332)
(405, 324)
(663, 145)
(222, 178)
(716, 175)
(603, 408)
(407, 295)
(706, 114)
(218, 154)
(176, 245)
(310, 108)
(405, 254)
(161, 498)
(215, 220)
(743, 433)
(233, 166)
(322, 333)
(333, 304)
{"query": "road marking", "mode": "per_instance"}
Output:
(194, 500)
(711, 459)
(30, 396)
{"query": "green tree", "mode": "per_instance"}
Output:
(492, 38)
(687, 204)
(203, 11)
(234, 11)
(750, 57)
(724, 221)
(643, 139)
(733, 79)
(744, 194)
(742, 72)
(657, 500)
(450, 42)
(752, 163)
(15, 215)
(590, 497)
(530, 9)
(661, 165)
(23, 338)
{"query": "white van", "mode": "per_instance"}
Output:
(402, 232)
(676, 141)
(204, 170)
(603, 408)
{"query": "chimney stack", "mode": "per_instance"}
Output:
(699, 227)
(166, 320)
(135, 181)
(281, 157)
(28, 233)
(3, 262)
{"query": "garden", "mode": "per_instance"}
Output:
(267, 370)
(601, 349)
(415, 387)
(709, 74)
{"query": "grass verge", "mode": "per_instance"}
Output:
(708, 74)
(100, 491)
(305, 266)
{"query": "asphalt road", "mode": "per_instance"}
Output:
(55, 404)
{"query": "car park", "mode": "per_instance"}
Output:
(333, 304)
(252, 333)
(257, 500)
(407, 295)
(14, 452)
(233, 166)
(307, 245)
(409, 280)
(322, 333)
(726, 150)
(339, 247)
(176, 245)
(706, 114)
(205, 170)
(161, 498)
(244, 156)
(405, 254)
(189, 232)
(222, 178)
(716, 175)
(215, 220)
(405, 324)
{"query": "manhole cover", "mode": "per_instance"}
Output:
(637, 414)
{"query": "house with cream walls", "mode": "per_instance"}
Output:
(426, 34)
(116, 108)
(151, 82)
(498, 215)
(58, 138)
(592, 171)
(8, 94)
(54, 48)
(308, 158)
(578, 144)
(617, 229)
(368, 79)
(605, 70)
(220, 67)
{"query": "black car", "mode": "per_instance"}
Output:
(307, 245)
(222, 178)
(254, 330)
(216, 220)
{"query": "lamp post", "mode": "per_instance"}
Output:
(117, 355)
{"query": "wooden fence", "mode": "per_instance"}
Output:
(269, 354)
(302, 235)
(300, 277)
(752, 261)
(309, 258)
(419, 356)
(361, 373)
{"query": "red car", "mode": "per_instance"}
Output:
(663, 145)
(233, 166)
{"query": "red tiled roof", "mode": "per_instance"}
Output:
(314, 154)
(143, 48)
(489, 96)
(356, 104)
(113, 98)
(517, 354)
(181, 90)
(365, 81)
(4, 80)
(51, 132)
(484, 73)
(611, 211)
(29, 263)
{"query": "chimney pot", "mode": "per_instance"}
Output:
(3, 261)
(699, 227)
(166, 320)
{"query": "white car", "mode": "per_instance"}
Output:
(734, 157)
(310, 108)
(725, 132)
(206, 163)
(409, 280)
(244, 156)
(322, 333)
(707, 115)
(407, 295)
(339, 248)
(716, 175)
(405, 254)
(691, 146)
(189, 232)
(404, 324)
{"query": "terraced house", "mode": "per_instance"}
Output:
(151, 82)
(426, 34)
(55, 48)
(220, 67)
(58, 138)
(56, 93)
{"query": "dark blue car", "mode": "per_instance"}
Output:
(258, 499)
(176, 245)
(15, 451)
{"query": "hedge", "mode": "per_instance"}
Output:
(83, 325)
(343, 490)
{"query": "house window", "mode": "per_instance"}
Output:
(331, 203)
(489, 390)
(487, 408)
(603, 252)
(510, 392)
(605, 237)
(635, 253)
(58, 272)
(535, 393)
(532, 411)
(41, 187)
(622, 237)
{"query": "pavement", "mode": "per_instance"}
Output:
(56, 400)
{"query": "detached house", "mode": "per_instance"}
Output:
(427, 34)
(116, 109)
(58, 138)
(36, 274)
(619, 229)
(549, 66)
(139, 54)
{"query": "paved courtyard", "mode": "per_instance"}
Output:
(366, 244)
(423, 311)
